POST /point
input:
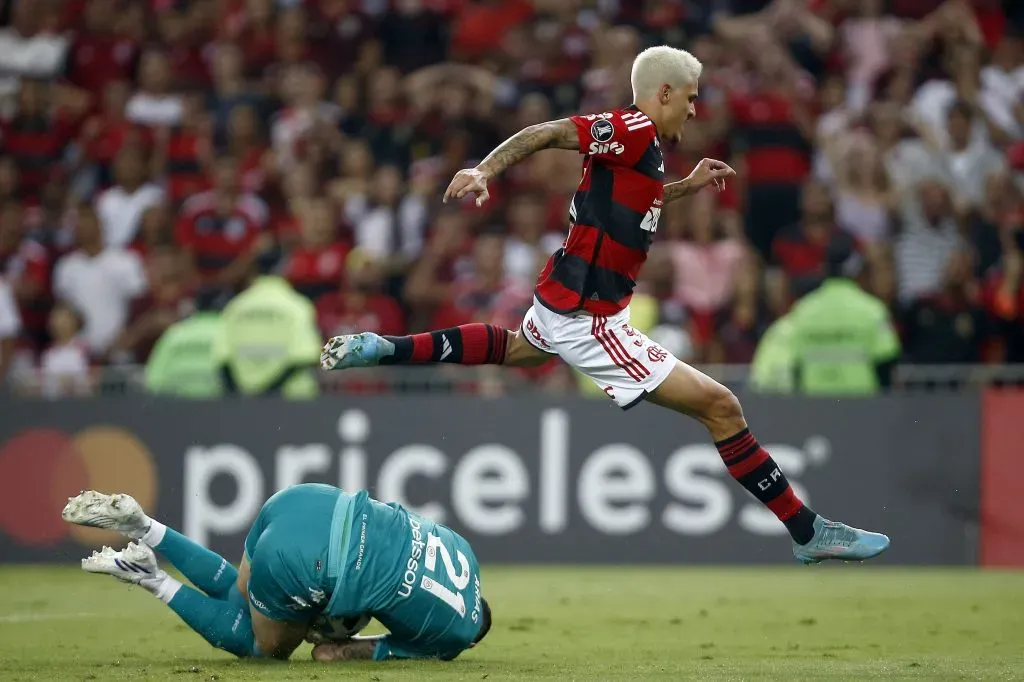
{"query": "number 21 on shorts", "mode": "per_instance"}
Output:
(459, 580)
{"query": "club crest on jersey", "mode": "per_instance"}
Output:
(602, 130)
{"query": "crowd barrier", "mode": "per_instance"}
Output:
(528, 480)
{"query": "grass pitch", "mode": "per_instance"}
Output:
(593, 624)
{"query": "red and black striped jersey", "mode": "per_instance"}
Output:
(612, 217)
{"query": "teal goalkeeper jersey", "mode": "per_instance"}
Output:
(418, 578)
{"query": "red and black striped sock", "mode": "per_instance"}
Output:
(469, 344)
(755, 470)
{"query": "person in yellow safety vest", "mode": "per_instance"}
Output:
(841, 337)
(269, 343)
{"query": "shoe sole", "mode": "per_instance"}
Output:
(807, 561)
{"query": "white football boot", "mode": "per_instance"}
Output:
(132, 565)
(118, 512)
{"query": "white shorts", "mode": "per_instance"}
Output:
(622, 361)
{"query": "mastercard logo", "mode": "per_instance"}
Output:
(41, 468)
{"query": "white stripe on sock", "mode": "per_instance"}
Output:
(163, 586)
(155, 534)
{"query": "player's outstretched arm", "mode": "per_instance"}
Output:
(358, 648)
(707, 172)
(560, 134)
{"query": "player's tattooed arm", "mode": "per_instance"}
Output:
(707, 172)
(355, 649)
(677, 190)
(560, 134)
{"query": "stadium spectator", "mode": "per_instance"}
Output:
(1004, 292)
(428, 286)
(27, 49)
(184, 150)
(949, 326)
(122, 206)
(970, 160)
(929, 238)
(707, 261)
(168, 298)
(230, 89)
(530, 243)
(317, 263)
(105, 133)
(861, 190)
(64, 365)
(256, 119)
(387, 224)
(35, 136)
(221, 229)
(103, 51)
(246, 142)
(482, 292)
(360, 302)
(155, 104)
(799, 249)
(10, 327)
(99, 283)
(25, 265)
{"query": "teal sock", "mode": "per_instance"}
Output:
(207, 570)
(224, 623)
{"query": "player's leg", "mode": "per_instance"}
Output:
(207, 570)
(468, 344)
(815, 538)
(224, 623)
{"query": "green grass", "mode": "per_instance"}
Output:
(794, 624)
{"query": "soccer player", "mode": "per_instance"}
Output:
(313, 550)
(580, 310)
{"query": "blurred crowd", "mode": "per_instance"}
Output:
(154, 154)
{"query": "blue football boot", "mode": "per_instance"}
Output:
(834, 540)
(355, 350)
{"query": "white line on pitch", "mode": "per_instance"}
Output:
(33, 617)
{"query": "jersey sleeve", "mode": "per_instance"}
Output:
(615, 137)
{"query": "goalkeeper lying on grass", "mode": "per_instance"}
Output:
(318, 564)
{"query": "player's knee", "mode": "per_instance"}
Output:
(722, 405)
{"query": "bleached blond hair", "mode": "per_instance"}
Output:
(662, 64)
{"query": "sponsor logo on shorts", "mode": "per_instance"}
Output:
(656, 353)
(535, 333)
(413, 564)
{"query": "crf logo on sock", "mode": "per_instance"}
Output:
(766, 483)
